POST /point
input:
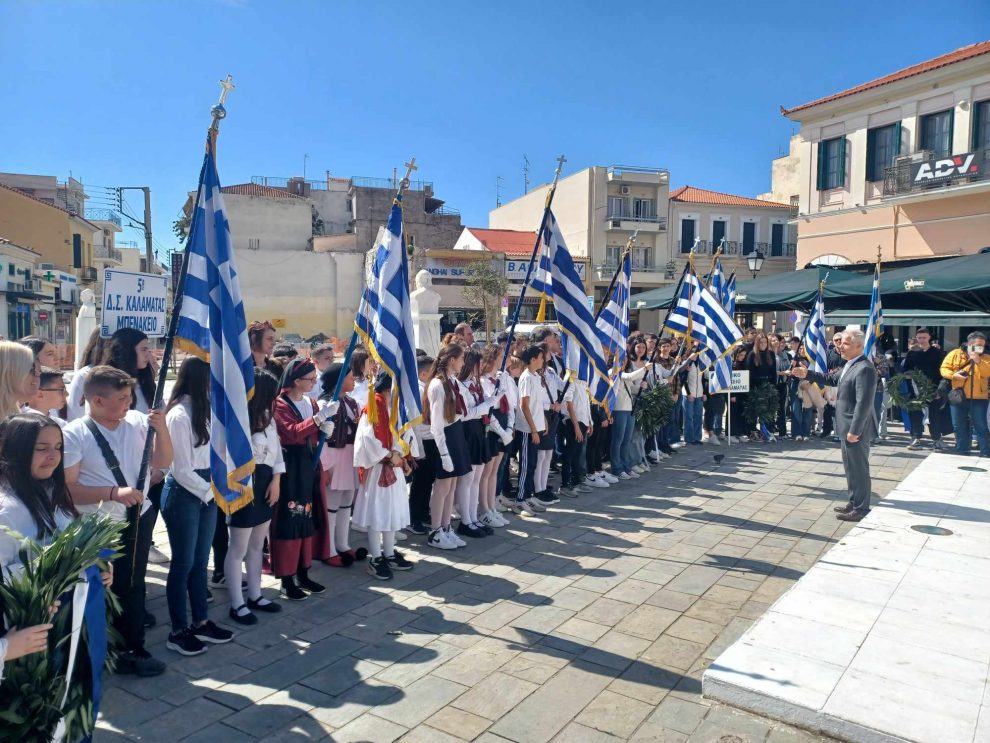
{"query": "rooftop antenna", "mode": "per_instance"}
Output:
(498, 191)
(305, 158)
(525, 174)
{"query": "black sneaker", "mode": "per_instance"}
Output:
(293, 592)
(547, 497)
(269, 607)
(209, 632)
(417, 528)
(398, 562)
(218, 579)
(139, 663)
(149, 620)
(668, 450)
(489, 531)
(185, 642)
(209, 596)
(379, 569)
(310, 585)
(466, 530)
(247, 618)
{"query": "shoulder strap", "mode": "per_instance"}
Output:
(108, 456)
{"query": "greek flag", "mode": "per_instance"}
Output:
(699, 316)
(875, 329)
(542, 282)
(725, 290)
(815, 342)
(583, 356)
(384, 322)
(718, 283)
(613, 325)
(212, 327)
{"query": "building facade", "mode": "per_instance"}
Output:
(900, 164)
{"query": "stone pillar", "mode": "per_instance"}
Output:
(85, 323)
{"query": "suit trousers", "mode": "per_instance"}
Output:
(856, 462)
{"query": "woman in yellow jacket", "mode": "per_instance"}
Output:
(969, 371)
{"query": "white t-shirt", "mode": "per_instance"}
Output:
(577, 394)
(267, 449)
(15, 515)
(186, 456)
(126, 441)
(530, 386)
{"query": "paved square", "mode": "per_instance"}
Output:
(593, 624)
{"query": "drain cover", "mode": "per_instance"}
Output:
(937, 531)
(972, 469)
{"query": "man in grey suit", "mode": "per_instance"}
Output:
(855, 419)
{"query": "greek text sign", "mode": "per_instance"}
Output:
(133, 300)
(739, 383)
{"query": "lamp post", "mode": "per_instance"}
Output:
(755, 262)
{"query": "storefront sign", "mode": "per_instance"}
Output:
(942, 168)
(516, 270)
(133, 300)
(440, 268)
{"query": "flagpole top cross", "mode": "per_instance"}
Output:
(227, 85)
(410, 167)
(218, 111)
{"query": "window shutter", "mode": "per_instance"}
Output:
(897, 138)
(977, 115)
(821, 166)
(842, 162)
(952, 122)
(871, 153)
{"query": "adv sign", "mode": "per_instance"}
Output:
(940, 169)
(133, 300)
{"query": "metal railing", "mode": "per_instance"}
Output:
(103, 215)
(87, 273)
(897, 179)
(606, 269)
(735, 248)
(275, 182)
(391, 183)
(445, 211)
(660, 221)
(618, 170)
(107, 253)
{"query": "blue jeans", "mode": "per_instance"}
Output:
(622, 431)
(190, 524)
(694, 412)
(801, 418)
(970, 417)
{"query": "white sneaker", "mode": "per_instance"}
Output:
(640, 469)
(634, 475)
(535, 504)
(156, 556)
(504, 504)
(489, 519)
(455, 514)
(677, 445)
(733, 439)
(453, 538)
(401, 536)
(655, 456)
(594, 481)
(713, 440)
(626, 476)
(523, 508)
(664, 456)
(499, 519)
(438, 540)
(608, 477)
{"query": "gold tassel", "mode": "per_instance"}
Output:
(372, 404)
(541, 314)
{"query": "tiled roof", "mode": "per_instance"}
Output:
(253, 189)
(34, 198)
(692, 195)
(511, 242)
(966, 52)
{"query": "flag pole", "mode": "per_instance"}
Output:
(715, 256)
(402, 186)
(134, 512)
(821, 293)
(532, 261)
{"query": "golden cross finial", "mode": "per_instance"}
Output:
(227, 85)
(560, 164)
(410, 167)
(632, 240)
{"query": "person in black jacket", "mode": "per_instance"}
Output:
(927, 359)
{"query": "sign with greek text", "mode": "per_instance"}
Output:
(133, 300)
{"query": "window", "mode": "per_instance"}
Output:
(687, 235)
(981, 126)
(718, 233)
(936, 133)
(11, 270)
(254, 243)
(644, 209)
(641, 258)
(749, 237)
(776, 239)
(883, 144)
(77, 251)
(612, 253)
(616, 206)
(831, 163)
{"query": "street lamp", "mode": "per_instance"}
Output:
(755, 261)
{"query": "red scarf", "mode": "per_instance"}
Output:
(503, 401)
(378, 417)
(479, 395)
(459, 405)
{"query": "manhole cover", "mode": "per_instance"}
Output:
(972, 469)
(937, 531)
(731, 739)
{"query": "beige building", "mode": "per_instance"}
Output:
(901, 163)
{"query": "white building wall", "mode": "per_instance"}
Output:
(276, 224)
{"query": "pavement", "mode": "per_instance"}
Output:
(884, 639)
(592, 623)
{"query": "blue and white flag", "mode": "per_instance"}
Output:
(875, 328)
(584, 357)
(212, 327)
(698, 315)
(542, 282)
(815, 342)
(718, 283)
(384, 323)
(613, 325)
(725, 290)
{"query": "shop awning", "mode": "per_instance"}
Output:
(930, 318)
(949, 284)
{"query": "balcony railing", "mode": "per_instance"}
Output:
(27, 287)
(735, 248)
(103, 215)
(899, 179)
(107, 254)
(661, 222)
(87, 273)
(608, 268)
(391, 183)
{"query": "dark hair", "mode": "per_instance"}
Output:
(47, 375)
(472, 364)
(439, 370)
(423, 363)
(18, 437)
(359, 357)
(924, 330)
(541, 333)
(93, 352)
(194, 380)
(321, 349)
(102, 380)
(794, 338)
(261, 405)
(284, 350)
(256, 331)
(120, 352)
(35, 343)
(529, 353)
(329, 378)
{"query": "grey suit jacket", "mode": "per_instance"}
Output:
(854, 411)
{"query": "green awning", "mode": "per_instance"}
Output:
(952, 284)
(910, 317)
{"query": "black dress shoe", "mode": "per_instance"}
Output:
(270, 607)
(853, 515)
(844, 509)
(149, 620)
(245, 619)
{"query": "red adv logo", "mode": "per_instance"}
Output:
(946, 167)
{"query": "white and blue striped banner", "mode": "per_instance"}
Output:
(583, 354)
(725, 291)
(875, 328)
(212, 327)
(613, 325)
(815, 342)
(384, 322)
(698, 315)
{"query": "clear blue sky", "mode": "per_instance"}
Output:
(118, 93)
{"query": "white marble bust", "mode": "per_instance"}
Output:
(426, 313)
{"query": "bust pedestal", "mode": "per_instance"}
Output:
(426, 329)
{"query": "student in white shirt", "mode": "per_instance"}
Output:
(576, 429)
(514, 367)
(475, 420)
(91, 356)
(189, 511)
(249, 524)
(322, 357)
(51, 395)
(94, 487)
(362, 369)
(531, 427)
(500, 425)
(19, 374)
(424, 476)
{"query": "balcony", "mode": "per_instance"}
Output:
(103, 215)
(636, 174)
(25, 288)
(734, 248)
(622, 221)
(920, 174)
(107, 254)
(87, 274)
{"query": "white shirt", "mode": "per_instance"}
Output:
(267, 448)
(305, 407)
(435, 396)
(626, 386)
(360, 393)
(126, 441)
(186, 456)
(423, 430)
(15, 515)
(51, 414)
(531, 387)
(577, 395)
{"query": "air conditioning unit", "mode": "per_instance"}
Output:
(914, 157)
(624, 190)
(615, 222)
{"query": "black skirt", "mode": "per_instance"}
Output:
(456, 448)
(495, 445)
(549, 439)
(477, 442)
(257, 511)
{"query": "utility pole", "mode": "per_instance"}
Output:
(149, 251)
(498, 191)
(525, 174)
